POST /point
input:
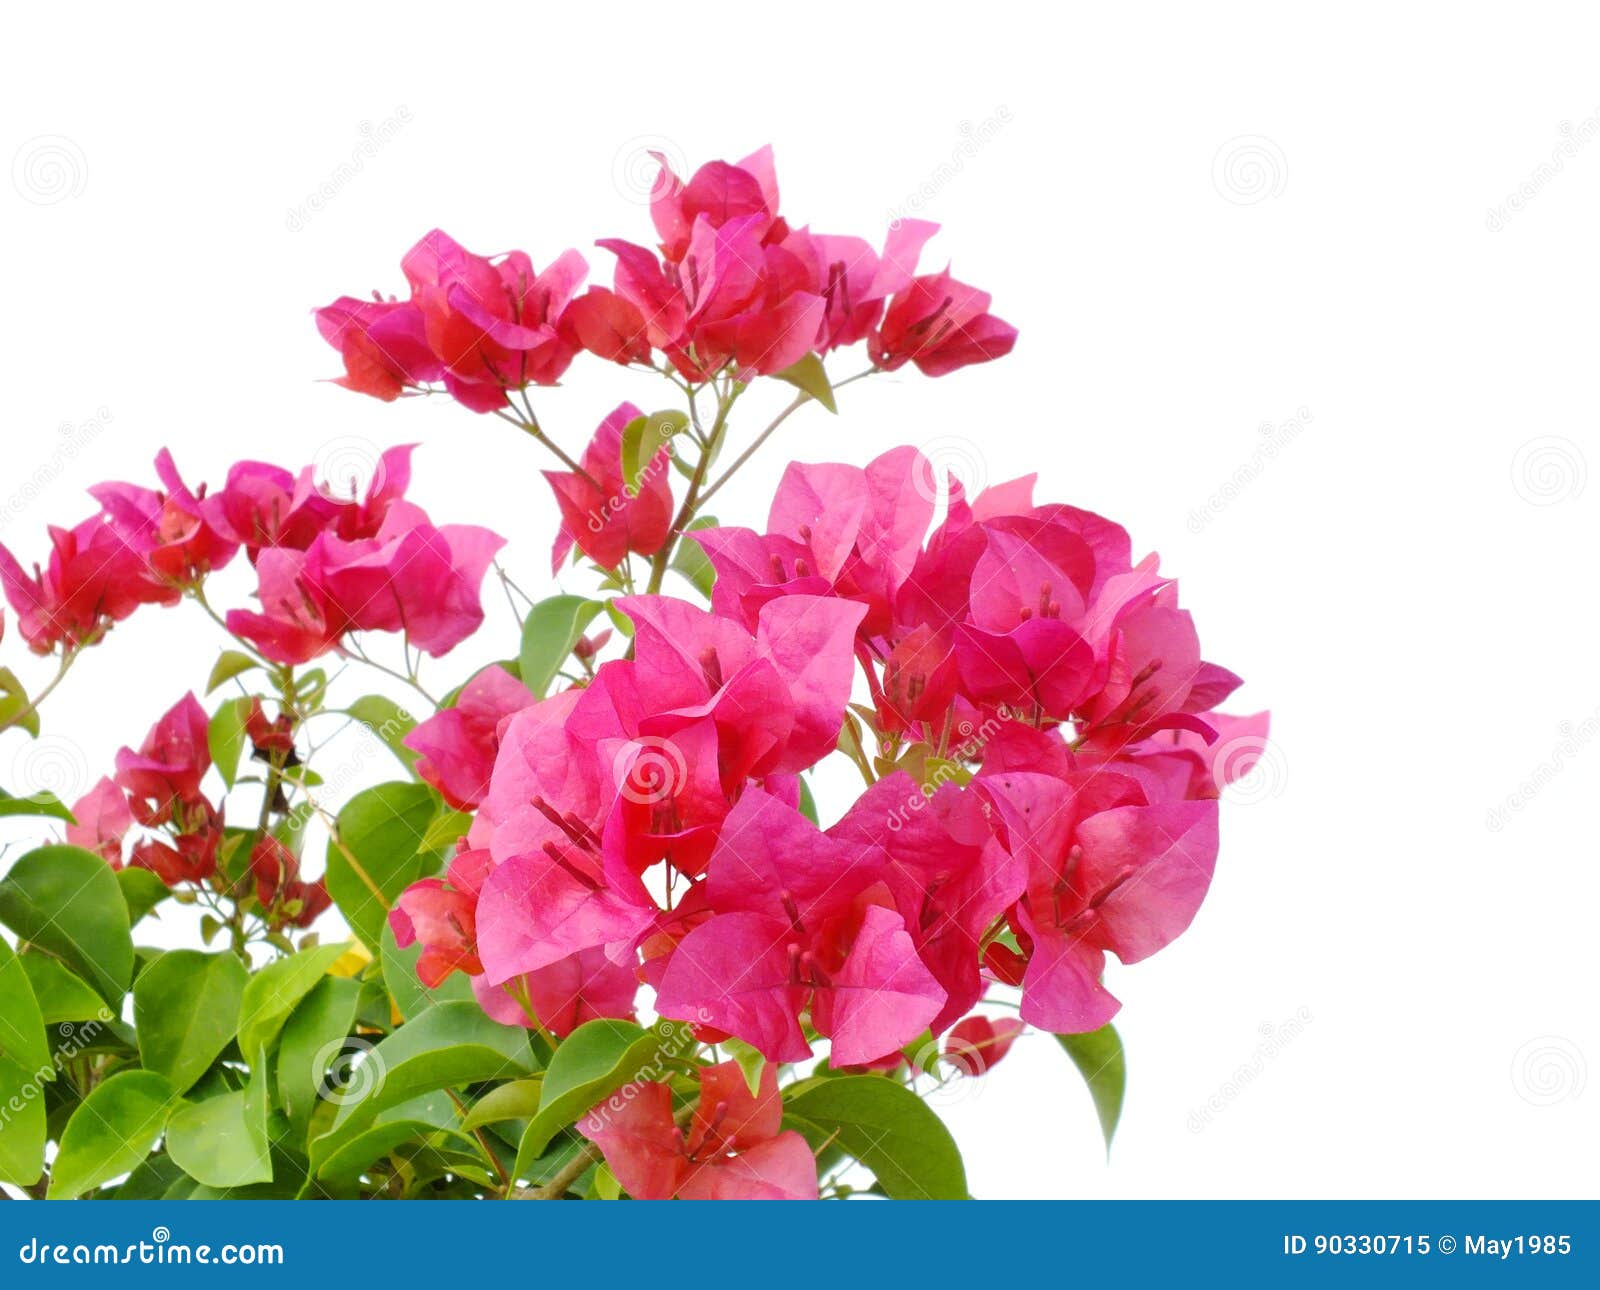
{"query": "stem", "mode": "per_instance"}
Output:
(799, 400)
(532, 427)
(68, 657)
(692, 500)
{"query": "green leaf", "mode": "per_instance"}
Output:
(186, 1011)
(13, 699)
(751, 1062)
(400, 978)
(312, 1039)
(142, 891)
(431, 1119)
(61, 995)
(593, 1062)
(549, 632)
(22, 1037)
(1100, 1060)
(690, 560)
(643, 438)
(230, 663)
(889, 1129)
(226, 737)
(389, 722)
(111, 1132)
(43, 802)
(66, 901)
(446, 1045)
(377, 852)
(222, 1142)
(26, 1127)
(808, 375)
(518, 1100)
(275, 991)
(808, 802)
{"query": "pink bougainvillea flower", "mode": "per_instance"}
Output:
(1105, 872)
(832, 527)
(792, 928)
(95, 577)
(384, 344)
(168, 529)
(493, 325)
(166, 771)
(949, 876)
(857, 281)
(718, 192)
(410, 577)
(441, 913)
(976, 1043)
(456, 746)
(735, 1146)
(940, 325)
(586, 986)
(600, 513)
(103, 820)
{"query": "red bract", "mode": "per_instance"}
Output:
(975, 1044)
(95, 577)
(940, 325)
(600, 512)
(286, 900)
(735, 1146)
(482, 326)
(164, 775)
(103, 820)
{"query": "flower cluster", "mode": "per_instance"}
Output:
(732, 284)
(326, 565)
(1044, 790)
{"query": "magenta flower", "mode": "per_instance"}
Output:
(600, 513)
(456, 747)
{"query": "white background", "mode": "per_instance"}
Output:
(1384, 995)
